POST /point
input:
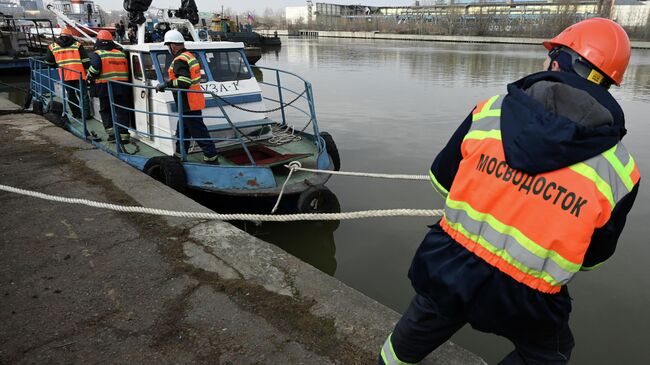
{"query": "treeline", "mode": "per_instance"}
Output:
(456, 22)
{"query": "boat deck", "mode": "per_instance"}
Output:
(136, 147)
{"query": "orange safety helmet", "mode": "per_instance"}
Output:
(600, 41)
(104, 35)
(66, 31)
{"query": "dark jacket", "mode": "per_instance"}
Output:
(549, 120)
(101, 90)
(66, 41)
(180, 68)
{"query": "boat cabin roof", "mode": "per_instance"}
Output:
(148, 47)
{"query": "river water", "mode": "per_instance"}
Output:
(391, 106)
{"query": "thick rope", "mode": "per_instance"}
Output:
(296, 166)
(232, 217)
(362, 174)
(277, 203)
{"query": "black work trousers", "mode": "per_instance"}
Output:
(107, 116)
(193, 127)
(73, 90)
(421, 330)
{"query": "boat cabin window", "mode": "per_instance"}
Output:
(135, 66)
(227, 65)
(147, 65)
(165, 61)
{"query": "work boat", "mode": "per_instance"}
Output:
(258, 127)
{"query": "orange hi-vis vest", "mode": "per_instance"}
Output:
(196, 101)
(534, 228)
(114, 66)
(68, 58)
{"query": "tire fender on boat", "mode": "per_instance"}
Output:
(168, 171)
(332, 150)
(37, 106)
(319, 199)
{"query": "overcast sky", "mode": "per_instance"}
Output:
(243, 5)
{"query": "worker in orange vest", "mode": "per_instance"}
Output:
(537, 186)
(108, 63)
(185, 73)
(70, 57)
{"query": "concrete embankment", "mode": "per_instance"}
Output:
(83, 285)
(426, 38)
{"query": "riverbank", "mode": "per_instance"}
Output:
(423, 38)
(83, 285)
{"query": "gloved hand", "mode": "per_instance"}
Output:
(160, 88)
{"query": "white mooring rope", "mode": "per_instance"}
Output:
(296, 166)
(232, 217)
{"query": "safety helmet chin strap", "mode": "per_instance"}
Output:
(570, 61)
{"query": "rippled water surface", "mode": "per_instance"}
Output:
(391, 106)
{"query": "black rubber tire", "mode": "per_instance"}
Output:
(54, 107)
(168, 171)
(319, 199)
(332, 150)
(37, 106)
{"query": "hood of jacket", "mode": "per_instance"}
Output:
(107, 45)
(65, 41)
(551, 120)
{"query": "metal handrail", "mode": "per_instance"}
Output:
(283, 88)
(308, 97)
(290, 106)
(181, 119)
(42, 65)
(42, 80)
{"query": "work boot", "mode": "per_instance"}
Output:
(212, 160)
(125, 138)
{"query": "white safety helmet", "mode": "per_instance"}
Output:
(174, 36)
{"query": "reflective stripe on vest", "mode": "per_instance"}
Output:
(438, 186)
(114, 66)
(196, 101)
(388, 354)
(69, 61)
(535, 229)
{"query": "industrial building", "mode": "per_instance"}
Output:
(18, 8)
(629, 13)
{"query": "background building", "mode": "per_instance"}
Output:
(535, 18)
(11, 7)
(632, 14)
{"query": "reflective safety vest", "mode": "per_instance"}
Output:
(196, 101)
(68, 58)
(534, 228)
(114, 66)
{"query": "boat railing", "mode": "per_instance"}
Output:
(44, 77)
(181, 138)
(23, 26)
(304, 92)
